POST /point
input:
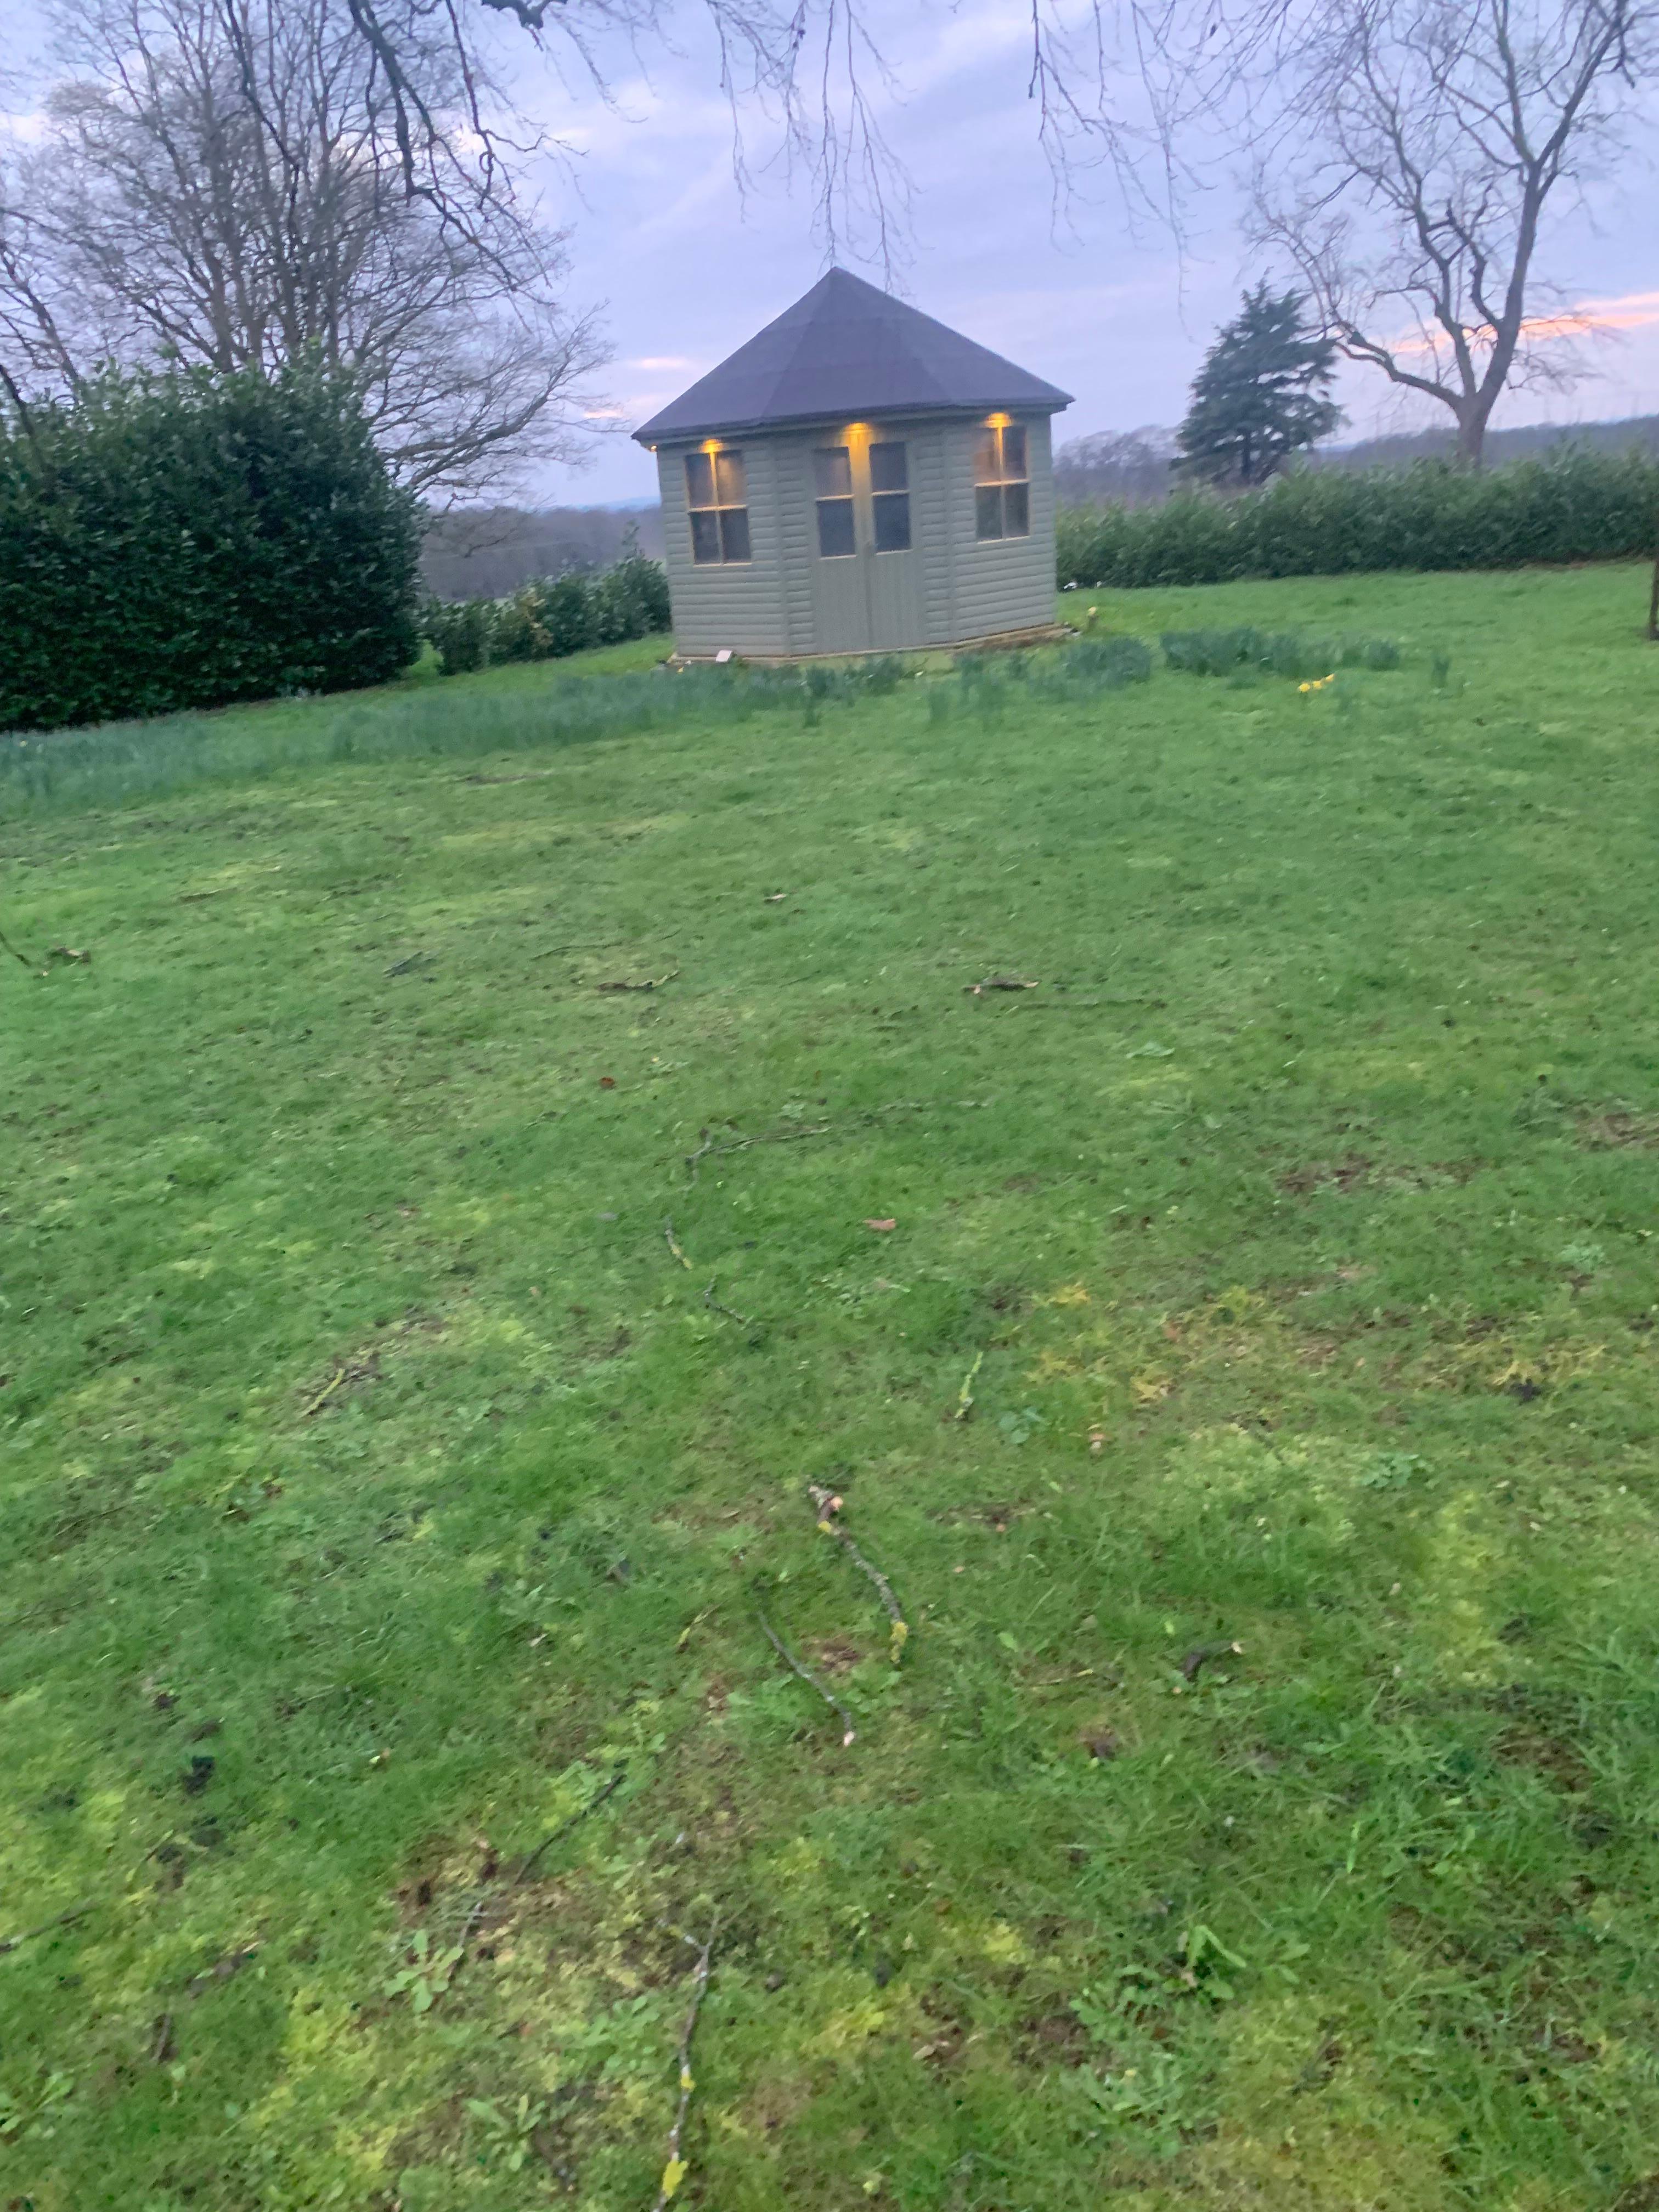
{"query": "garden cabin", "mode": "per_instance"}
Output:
(857, 478)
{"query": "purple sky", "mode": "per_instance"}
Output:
(684, 267)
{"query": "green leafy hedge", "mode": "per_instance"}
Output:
(551, 618)
(1574, 505)
(187, 539)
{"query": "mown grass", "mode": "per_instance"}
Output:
(366, 1437)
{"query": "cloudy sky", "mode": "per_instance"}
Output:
(681, 263)
(685, 265)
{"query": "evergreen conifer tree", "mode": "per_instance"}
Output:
(1261, 395)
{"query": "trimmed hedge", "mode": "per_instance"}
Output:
(1574, 505)
(187, 539)
(550, 617)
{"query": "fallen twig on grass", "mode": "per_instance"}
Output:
(811, 1680)
(326, 1393)
(574, 1822)
(776, 1136)
(793, 1136)
(714, 1306)
(651, 983)
(673, 1243)
(965, 1396)
(674, 2171)
(21, 959)
(1000, 984)
(827, 1505)
(161, 2044)
(61, 1920)
(1204, 1653)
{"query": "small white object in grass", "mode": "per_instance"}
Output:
(724, 655)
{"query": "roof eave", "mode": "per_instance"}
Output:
(654, 434)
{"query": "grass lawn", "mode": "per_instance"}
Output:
(406, 1452)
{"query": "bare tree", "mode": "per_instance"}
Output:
(216, 186)
(1103, 80)
(1124, 468)
(1411, 173)
(1407, 151)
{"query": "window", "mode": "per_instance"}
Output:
(889, 497)
(1002, 490)
(718, 503)
(832, 478)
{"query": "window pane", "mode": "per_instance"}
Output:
(987, 517)
(699, 481)
(835, 527)
(705, 535)
(985, 459)
(735, 533)
(892, 521)
(1013, 452)
(728, 480)
(888, 469)
(1017, 510)
(832, 472)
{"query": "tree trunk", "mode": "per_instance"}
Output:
(1471, 442)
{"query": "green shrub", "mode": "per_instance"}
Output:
(187, 539)
(459, 633)
(551, 618)
(1107, 662)
(1572, 505)
(1277, 653)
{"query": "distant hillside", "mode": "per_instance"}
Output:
(1640, 430)
(1131, 468)
(483, 553)
(1116, 468)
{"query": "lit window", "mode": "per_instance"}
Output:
(717, 500)
(832, 478)
(1002, 489)
(889, 497)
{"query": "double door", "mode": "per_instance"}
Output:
(866, 566)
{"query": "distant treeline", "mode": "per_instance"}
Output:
(1131, 468)
(1573, 504)
(484, 553)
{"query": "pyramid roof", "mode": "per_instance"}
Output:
(845, 350)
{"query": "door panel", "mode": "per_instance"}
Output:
(867, 570)
(893, 566)
(840, 601)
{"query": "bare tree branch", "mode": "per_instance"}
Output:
(235, 182)
(1414, 152)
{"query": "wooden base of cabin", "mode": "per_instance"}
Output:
(1002, 640)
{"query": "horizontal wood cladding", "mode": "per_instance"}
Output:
(1002, 583)
(717, 605)
(953, 588)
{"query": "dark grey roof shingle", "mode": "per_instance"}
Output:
(845, 350)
